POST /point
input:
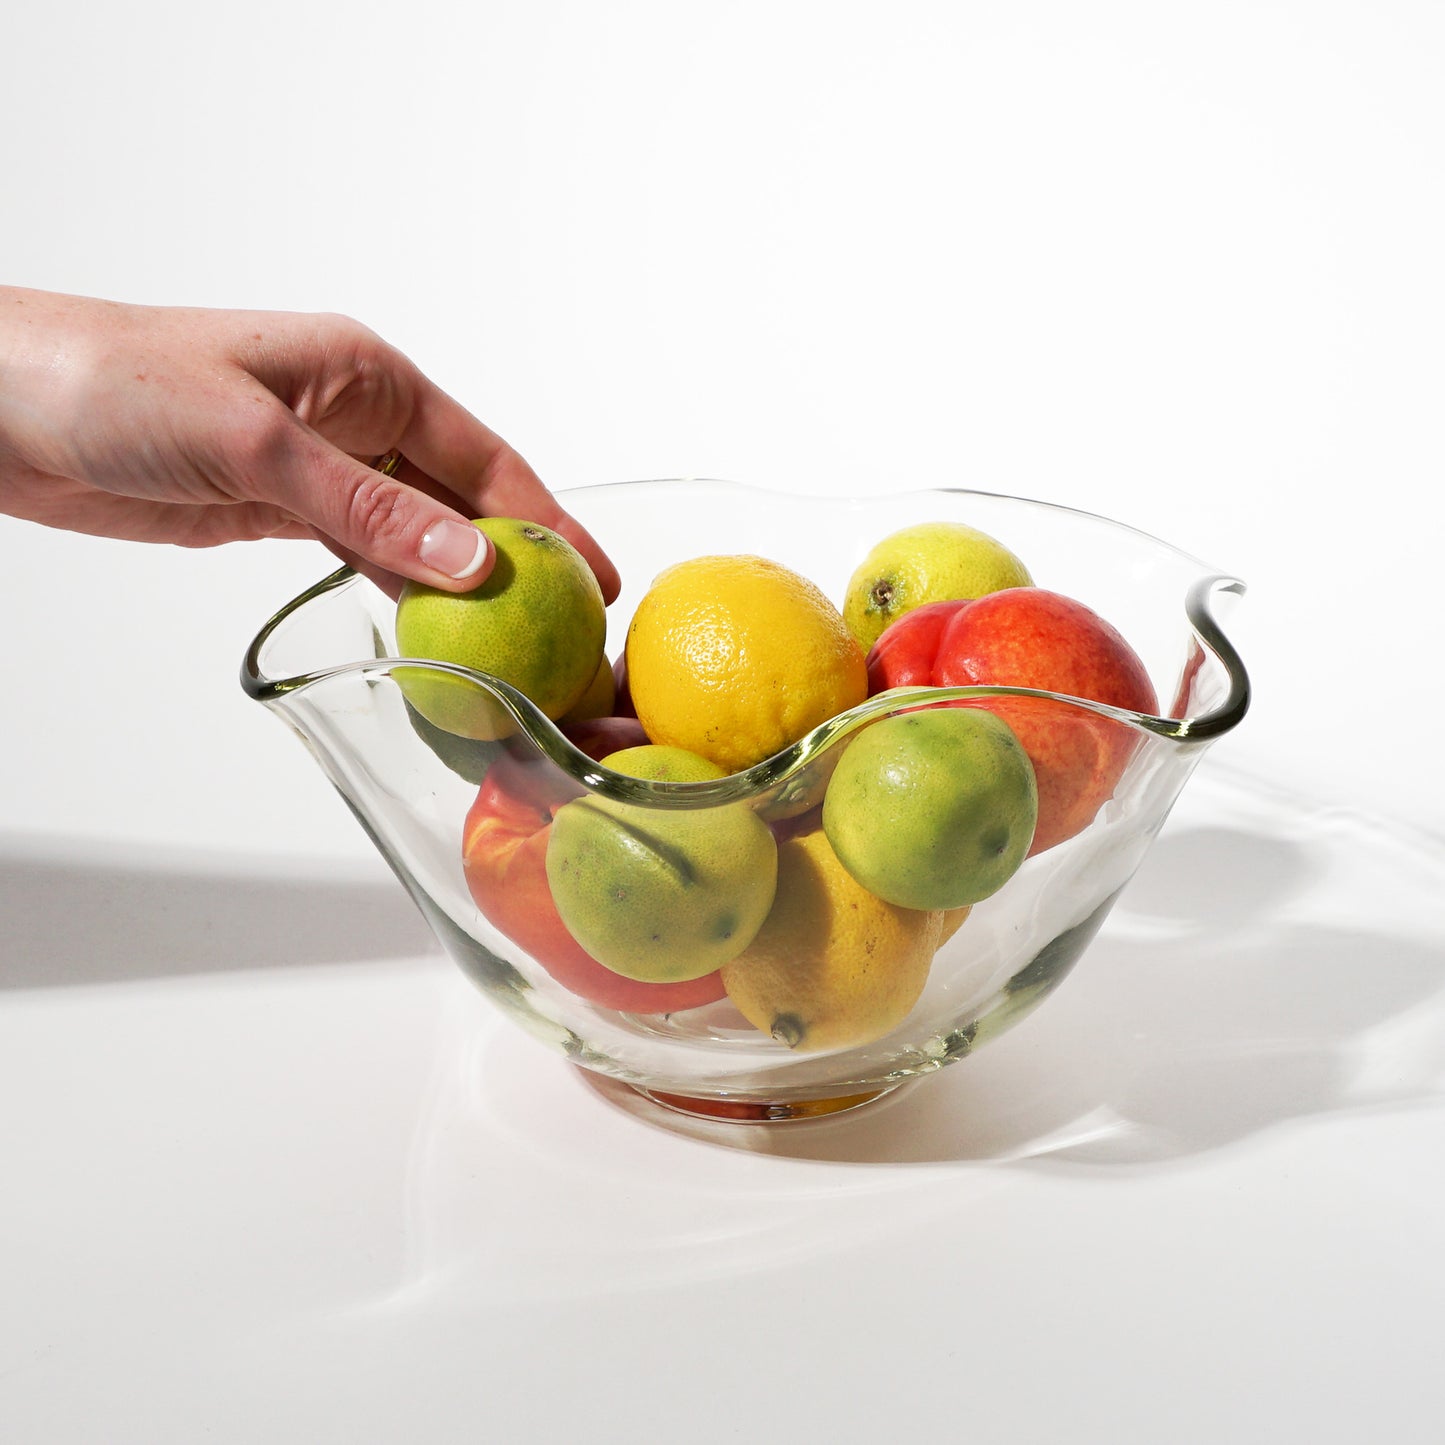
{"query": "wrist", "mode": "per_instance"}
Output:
(14, 322)
(43, 344)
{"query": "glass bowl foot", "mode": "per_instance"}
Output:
(755, 1111)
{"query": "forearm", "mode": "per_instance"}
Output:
(200, 426)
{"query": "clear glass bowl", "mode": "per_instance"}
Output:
(326, 664)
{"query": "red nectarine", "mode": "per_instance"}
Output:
(1031, 637)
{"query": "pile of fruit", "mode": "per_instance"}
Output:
(818, 917)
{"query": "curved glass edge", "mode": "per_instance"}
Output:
(1210, 635)
(762, 493)
(254, 682)
(769, 774)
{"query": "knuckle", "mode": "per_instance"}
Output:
(343, 334)
(338, 324)
(366, 373)
(376, 509)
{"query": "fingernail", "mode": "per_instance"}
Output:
(454, 548)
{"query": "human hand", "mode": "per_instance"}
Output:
(197, 427)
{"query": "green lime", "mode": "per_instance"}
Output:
(538, 622)
(933, 809)
(660, 894)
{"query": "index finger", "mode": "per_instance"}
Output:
(452, 446)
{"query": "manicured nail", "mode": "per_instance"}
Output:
(455, 549)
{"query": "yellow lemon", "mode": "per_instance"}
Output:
(833, 966)
(538, 622)
(929, 562)
(953, 920)
(735, 657)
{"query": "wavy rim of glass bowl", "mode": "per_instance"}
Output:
(773, 772)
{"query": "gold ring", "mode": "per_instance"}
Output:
(388, 463)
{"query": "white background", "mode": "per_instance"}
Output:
(268, 1169)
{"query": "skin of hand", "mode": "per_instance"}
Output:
(198, 427)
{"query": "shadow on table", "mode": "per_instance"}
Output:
(88, 913)
(1222, 999)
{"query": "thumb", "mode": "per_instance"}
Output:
(384, 525)
(456, 552)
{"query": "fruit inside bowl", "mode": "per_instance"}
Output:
(821, 803)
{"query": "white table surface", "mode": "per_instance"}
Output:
(271, 1170)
